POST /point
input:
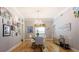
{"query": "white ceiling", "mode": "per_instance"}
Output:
(39, 12)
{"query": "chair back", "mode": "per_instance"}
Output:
(39, 40)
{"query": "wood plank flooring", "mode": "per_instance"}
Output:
(50, 47)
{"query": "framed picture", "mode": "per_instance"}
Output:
(6, 30)
(30, 29)
(76, 11)
(12, 28)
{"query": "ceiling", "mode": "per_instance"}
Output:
(39, 12)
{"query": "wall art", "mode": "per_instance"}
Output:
(6, 30)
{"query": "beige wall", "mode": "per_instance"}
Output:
(72, 37)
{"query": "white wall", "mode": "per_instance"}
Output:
(9, 41)
(47, 21)
(72, 37)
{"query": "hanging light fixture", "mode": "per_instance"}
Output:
(38, 22)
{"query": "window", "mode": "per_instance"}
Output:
(40, 30)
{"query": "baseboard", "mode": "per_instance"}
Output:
(14, 47)
(75, 50)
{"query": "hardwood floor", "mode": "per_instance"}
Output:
(52, 47)
(26, 46)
